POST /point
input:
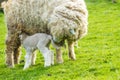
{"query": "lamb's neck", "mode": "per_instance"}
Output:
(23, 37)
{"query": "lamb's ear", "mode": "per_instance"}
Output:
(20, 36)
(72, 31)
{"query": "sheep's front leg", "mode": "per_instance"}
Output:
(59, 58)
(28, 58)
(33, 58)
(71, 50)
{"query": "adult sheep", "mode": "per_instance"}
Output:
(63, 19)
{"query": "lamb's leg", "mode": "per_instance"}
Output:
(33, 58)
(71, 50)
(59, 58)
(47, 56)
(12, 43)
(52, 57)
(28, 58)
(43, 46)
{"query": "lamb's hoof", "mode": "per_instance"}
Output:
(47, 65)
(25, 67)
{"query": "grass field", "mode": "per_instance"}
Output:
(98, 54)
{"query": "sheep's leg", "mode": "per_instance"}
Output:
(71, 50)
(17, 55)
(17, 50)
(28, 58)
(59, 58)
(12, 43)
(33, 58)
(9, 58)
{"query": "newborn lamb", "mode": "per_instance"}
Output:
(39, 41)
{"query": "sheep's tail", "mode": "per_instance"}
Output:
(3, 4)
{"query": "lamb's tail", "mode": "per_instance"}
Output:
(3, 4)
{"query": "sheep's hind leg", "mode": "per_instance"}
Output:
(9, 58)
(17, 55)
(12, 43)
(71, 50)
(59, 58)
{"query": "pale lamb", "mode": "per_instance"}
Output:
(63, 19)
(39, 41)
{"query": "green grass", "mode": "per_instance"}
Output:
(98, 54)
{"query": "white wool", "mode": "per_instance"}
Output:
(56, 16)
(71, 15)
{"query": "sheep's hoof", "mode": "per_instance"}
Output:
(60, 61)
(72, 58)
(33, 63)
(16, 62)
(10, 66)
